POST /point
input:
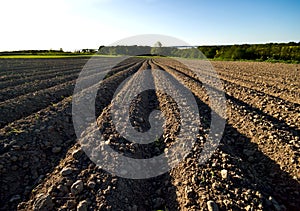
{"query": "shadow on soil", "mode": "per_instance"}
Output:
(260, 173)
(263, 173)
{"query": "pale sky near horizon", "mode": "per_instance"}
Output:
(76, 24)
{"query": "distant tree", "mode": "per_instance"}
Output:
(157, 49)
(238, 53)
(209, 52)
(101, 46)
(158, 44)
(112, 51)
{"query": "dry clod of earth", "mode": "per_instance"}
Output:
(77, 187)
(43, 203)
(82, 206)
(212, 206)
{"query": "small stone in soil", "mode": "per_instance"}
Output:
(43, 202)
(77, 187)
(76, 154)
(66, 171)
(82, 206)
(91, 184)
(212, 206)
(224, 173)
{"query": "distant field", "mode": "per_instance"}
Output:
(40, 56)
(48, 56)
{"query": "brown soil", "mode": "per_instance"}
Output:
(255, 167)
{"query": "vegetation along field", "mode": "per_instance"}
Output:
(255, 167)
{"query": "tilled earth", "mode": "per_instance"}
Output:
(255, 167)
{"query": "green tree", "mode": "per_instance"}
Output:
(158, 44)
(157, 49)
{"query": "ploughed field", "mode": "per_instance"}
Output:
(255, 167)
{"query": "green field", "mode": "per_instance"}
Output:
(49, 56)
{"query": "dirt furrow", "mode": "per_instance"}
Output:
(56, 72)
(286, 133)
(278, 90)
(37, 67)
(287, 93)
(255, 166)
(12, 66)
(27, 104)
(277, 81)
(246, 151)
(16, 75)
(269, 72)
(24, 105)
(284, 104)
(12, 92)
(137, 194)
(82, 169)
(32, 147)
(283, 115)
(21, 81)
(104, 191)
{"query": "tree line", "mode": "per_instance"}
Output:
(270, 51)
(261, 52)
(288, 52)
(147, 50)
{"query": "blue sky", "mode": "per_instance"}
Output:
(76, 24)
